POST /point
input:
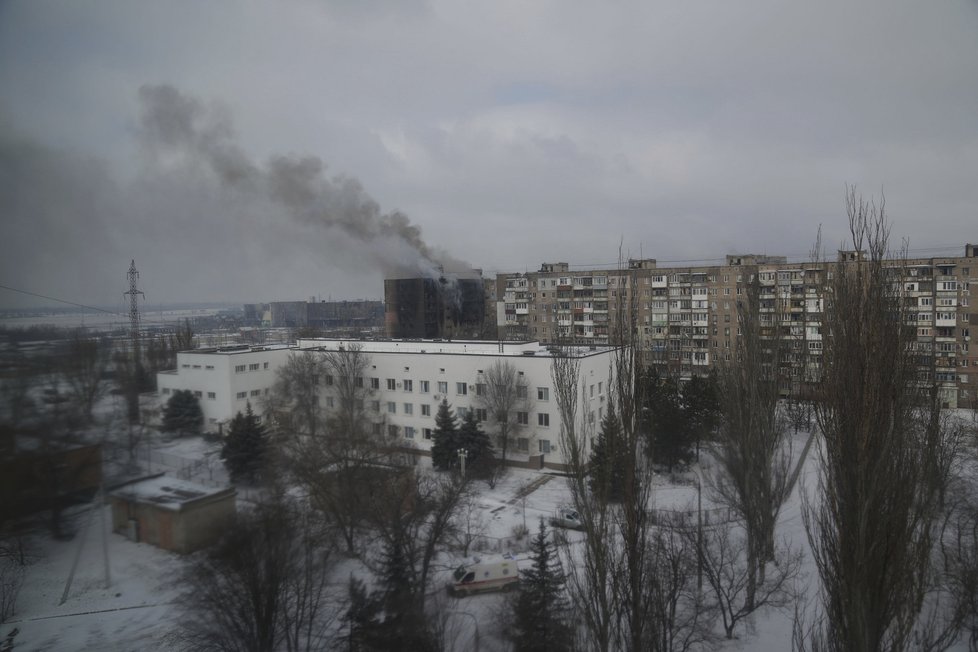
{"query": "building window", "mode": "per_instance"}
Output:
(239, 368)
(408, 385)
(196, 366)
(392, 430)
(462, 412)
(358, 381)
(543, 419)
(409, 408)
(442, 387)
(408, 432)
(375, 406)
(256, 392)
(521, 390)
(329, 380)
(266, 366)
(523, 444)
(480, 389)
(523, 418)
(329, 401)
(425, 410)
(254, 367)
(480, 414)
(242, 395)
(166, 390)
(423, 386)
(391, 407)
(376, 427)
(198, 394)
(543, 393)
(426, 433)
(544, 445)
(391, 384)
(375, 383)
(461, 389)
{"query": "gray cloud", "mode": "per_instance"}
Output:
(512, 134)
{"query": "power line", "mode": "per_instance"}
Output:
(125, 316)
(65, 301)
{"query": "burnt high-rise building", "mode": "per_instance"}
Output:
(429, 308)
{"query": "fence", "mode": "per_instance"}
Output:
(680, 519)
(203, 470)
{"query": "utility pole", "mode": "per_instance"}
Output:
(132, 395)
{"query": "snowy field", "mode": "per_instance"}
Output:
(136, 611)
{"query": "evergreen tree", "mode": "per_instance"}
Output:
(445, 439)
(246, 447)
(392, 616)
(182, 414)
(672, 437)
(541, 611)
(478, 457)
(609, 458)
(701, 407)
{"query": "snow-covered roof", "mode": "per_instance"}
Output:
(167, 492)
(452, 347)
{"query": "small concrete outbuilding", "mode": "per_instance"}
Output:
(171, 513)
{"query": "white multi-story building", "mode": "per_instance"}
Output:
(224, 379)
(406, 381)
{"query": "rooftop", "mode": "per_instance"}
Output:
(167, 492)
(453, 347)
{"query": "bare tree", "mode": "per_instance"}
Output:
(752, 446)
(294, 401)
(728, 569)
(83, 372)
(333, 452)
(681, 616)
(631, 586)
(590, 572)
(504, 396)
(415, 513)
(263, 587)
(872, 529)
(470, 523)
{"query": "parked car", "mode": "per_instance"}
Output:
(567, 517)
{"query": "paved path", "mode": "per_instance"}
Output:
(526, 490)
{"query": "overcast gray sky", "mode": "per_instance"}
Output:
(257, 151)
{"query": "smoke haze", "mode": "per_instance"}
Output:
(176, 125)
(203, 220)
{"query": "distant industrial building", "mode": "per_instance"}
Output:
(362, 315)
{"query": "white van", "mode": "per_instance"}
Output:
(482, 574)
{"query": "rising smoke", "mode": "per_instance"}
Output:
(176, 126)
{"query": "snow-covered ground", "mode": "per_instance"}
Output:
(136, 610)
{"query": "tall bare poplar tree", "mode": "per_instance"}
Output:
(872, 529)
(753, 447)
(504, 396)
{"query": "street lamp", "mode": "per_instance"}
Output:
(461, 458)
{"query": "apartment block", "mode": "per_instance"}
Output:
(685, 319)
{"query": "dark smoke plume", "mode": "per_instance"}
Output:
(174, 124)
